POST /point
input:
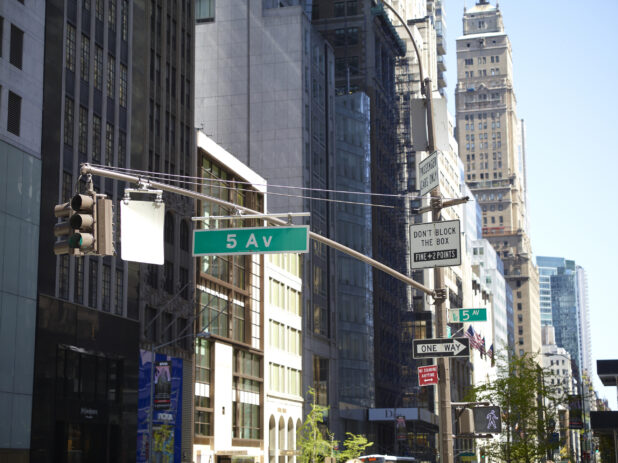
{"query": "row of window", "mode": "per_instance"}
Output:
(288, 262)
(284, 297)
(16, 51)
(496, 155)
(482, 60)
(16, 44)
(481, 136)
(482, 73)
(284, 338)
(96, 131)
(284, 379)
(484, 176)
(483, 165)
(484, 145)
(98, 72)
(93, 275)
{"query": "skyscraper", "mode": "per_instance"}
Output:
(566, 297)
(491, 145)
(22, 31)
(102, 105)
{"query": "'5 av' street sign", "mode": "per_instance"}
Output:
(260, 240)
(467, 315)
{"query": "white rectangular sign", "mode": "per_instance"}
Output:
(141, 231)
(429, 173)
(435, 244)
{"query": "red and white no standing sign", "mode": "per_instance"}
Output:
(428, 375)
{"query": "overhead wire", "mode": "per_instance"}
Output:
(200, 181)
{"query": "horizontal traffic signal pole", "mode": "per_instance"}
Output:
(144, 180)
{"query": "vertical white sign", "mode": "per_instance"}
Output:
(429, 173)
(141, 231)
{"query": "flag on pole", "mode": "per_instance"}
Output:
(473, 337)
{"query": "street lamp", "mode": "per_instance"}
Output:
(153, 349)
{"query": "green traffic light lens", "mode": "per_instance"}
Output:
(75, 241)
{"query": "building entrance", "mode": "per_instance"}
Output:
(86, 443)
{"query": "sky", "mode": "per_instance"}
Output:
(565, 62)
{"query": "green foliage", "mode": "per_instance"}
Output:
(355, 445)
(529, 405)
(314, 439)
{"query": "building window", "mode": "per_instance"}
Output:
(169, 228)
(109, 144)
(123, 86)
(246, 400)
(69, 48)
(83, 130)
(320, 380)
(119, 291)
(17, 45)
(169, 276)
(63, 277)
(99, 9)
(107, 287)
(183, 275)
(84, 63)
(111, 14)
(13, 123)
(78, 290)
(125, 20)
(204, 11)
(203, 404)
(96, 139)
(111, 75)
(92, 283)
(68, 121)
(98, 67)
(339, 9)
(184, 236)
(122, 149)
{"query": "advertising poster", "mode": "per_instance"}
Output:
(163, 377)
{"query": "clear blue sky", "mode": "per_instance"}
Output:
(565, 61)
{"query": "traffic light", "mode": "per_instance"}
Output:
(89, 229)
(104, 227)
(83, 223)
(63, 229)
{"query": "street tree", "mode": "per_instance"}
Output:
(530, 404)
(315, 441)
(355, 445)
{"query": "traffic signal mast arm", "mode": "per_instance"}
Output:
(108, 173)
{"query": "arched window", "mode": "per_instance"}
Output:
(291, 440)
(184, 236)
(169, 228)
(272, 440)
(281, 444)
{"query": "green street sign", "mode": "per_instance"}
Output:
(259, 240)
(467, 315)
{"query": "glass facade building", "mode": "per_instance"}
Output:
(562, 292)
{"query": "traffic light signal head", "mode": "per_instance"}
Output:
(89, 226)
(63, 229)
(83, 222)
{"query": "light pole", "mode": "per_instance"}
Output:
(153, 349)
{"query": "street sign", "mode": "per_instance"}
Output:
(467, 315)
(435, 244)
(428, 375)
(487, 419)
(442, 347)
(260, 240)
(429, 173)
